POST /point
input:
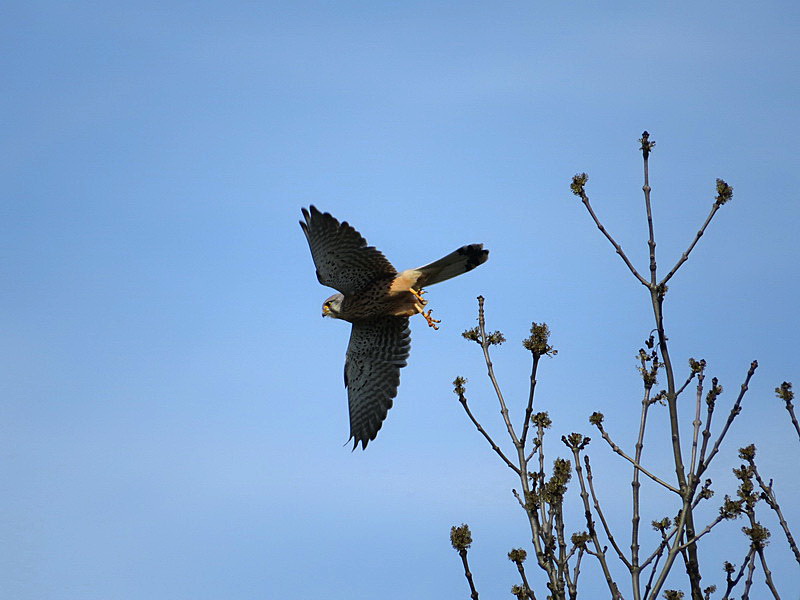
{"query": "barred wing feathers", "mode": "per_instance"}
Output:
(377, 351)
(341, 255)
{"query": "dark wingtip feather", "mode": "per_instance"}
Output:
(305, 222)
(310, 213)
(475, 254)
(355, 439)
(367, 434)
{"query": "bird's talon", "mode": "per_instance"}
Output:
(418, 295)
(431, 321)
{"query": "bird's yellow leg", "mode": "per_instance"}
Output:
(418, 295)
(422, 302)
(431, 321)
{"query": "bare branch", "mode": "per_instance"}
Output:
(724, 193)
(768, 494)
(490, 369)
(680, 527)
(463, 400)
(735, 410)
(708, 528)
(599, 552)
(749, 581)
(518, 556)
(785, 393)
(468, 575)
(647, 146)
(619, 451)
(767, 574)
(732, 582)
(461, 540)
(578, 189)
(540, 449)
(696, 423)
(657, 293)
(635, 488)
(685, 256)
(655, 557)
(600, 514)
(539, 537)
(710, 404)
(790, 408)
(573, 588)
(660, 549)
(529, 408)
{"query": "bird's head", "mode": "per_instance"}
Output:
(332, 307)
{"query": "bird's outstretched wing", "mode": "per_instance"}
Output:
(341, 255)
(377, 351)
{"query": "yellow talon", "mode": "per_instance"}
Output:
(418, 295)
(431, 321)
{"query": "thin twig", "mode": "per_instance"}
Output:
(758, 542)
(702, 496)
(635, 489)
(763, 559)
(468, 574)
(573, 587)
(542, 558)
(685, 256)
(772, 502)
(656, 556)
(749, 581)
(619, 451)
(768, 574)
(490, 368)
(526, 586)
(735, 410)
(529, 408)
(679, 528)
(732, 582)
(651, 240)
(541, 474)
(563, 568)
(696, 424)
(660, 548)
(708, 528)
(685, 383)
(614, 243)
(463, 400)
(706, 436)
(790, 410)
(599, 552)
(600, 514)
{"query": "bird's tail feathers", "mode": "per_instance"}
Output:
(456, 263)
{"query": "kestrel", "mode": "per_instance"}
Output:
(378, 301)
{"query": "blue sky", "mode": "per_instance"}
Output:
(172, 413)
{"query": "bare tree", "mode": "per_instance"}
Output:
(558, 554)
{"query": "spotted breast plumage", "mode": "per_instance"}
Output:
(378, 301)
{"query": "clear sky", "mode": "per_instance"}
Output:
(172, 417)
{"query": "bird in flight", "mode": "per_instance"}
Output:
(378, 301)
